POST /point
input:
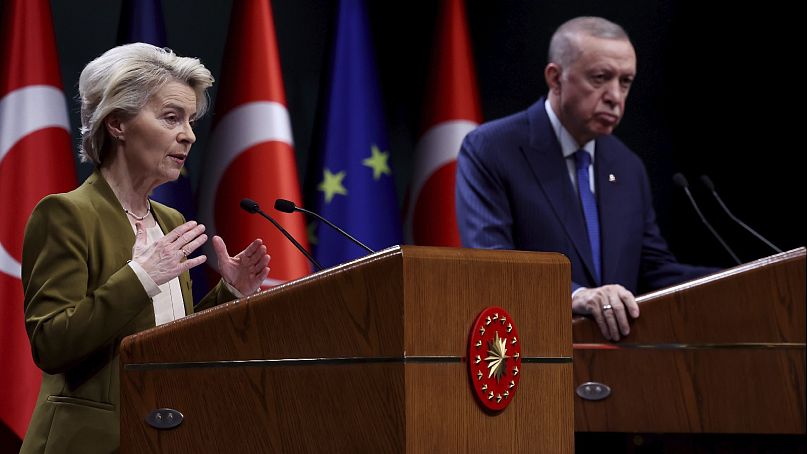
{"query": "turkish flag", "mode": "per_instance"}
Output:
(251, 152)
(35, 160)
(453, 109)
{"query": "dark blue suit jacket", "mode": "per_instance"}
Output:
(514, 192)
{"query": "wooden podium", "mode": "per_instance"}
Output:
(365, 357)
(721, 354)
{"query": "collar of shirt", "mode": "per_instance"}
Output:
(568, 145)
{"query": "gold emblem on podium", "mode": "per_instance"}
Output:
(494, 358)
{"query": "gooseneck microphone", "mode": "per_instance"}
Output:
(709, 184)
(287, 206)
(251, 206)
(681, 181)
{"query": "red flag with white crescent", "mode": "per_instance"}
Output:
(35, 160)
(251, 153)
(453, 110)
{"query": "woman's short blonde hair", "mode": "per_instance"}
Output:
(122, 80)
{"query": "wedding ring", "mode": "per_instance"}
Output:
(185, 253)
(607, 307)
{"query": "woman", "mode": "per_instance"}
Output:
(103, 261)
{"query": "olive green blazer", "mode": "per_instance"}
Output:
(81, 299)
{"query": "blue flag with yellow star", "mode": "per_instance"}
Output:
(353, 182)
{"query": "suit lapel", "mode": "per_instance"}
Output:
(112, 216)
(608, 193)
(109, 208)
(546, 161)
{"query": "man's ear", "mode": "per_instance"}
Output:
(115, 126)
(552, 75)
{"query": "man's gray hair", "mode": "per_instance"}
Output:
(563, 49)
(123, 80)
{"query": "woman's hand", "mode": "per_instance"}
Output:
(165, 259)
(245, 271)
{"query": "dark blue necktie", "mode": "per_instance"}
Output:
(590, 207)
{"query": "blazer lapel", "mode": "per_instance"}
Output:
(609, 203)
(110, 210)
(544, 156)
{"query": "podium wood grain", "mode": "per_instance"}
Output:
(722, 354)
(370, 358)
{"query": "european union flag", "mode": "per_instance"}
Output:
(142, 21)
(355, 188)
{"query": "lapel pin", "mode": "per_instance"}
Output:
(612, 179)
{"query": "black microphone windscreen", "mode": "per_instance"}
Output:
(708, 182)
(249, 205)
(285, 206)
(680, 180)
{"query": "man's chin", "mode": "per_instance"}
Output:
(603, 129)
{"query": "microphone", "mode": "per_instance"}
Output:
(251, 206)
(681, 181)
(709, 184)
(287, 206)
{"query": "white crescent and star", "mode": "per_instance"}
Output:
(22, 112)
(437, 147)
(240, 129)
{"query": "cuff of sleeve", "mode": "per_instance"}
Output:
(148, 283)
(577, 290)
(233, 290)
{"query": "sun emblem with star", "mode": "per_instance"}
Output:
(494, 345)
(497, 356)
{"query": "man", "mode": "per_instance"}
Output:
(553, 178)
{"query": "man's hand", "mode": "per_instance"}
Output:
(610, 306)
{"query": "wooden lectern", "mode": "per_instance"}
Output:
(365, 357)
(721, 354)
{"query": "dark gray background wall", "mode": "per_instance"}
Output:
(710, 96)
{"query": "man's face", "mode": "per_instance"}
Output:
(591, 92)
